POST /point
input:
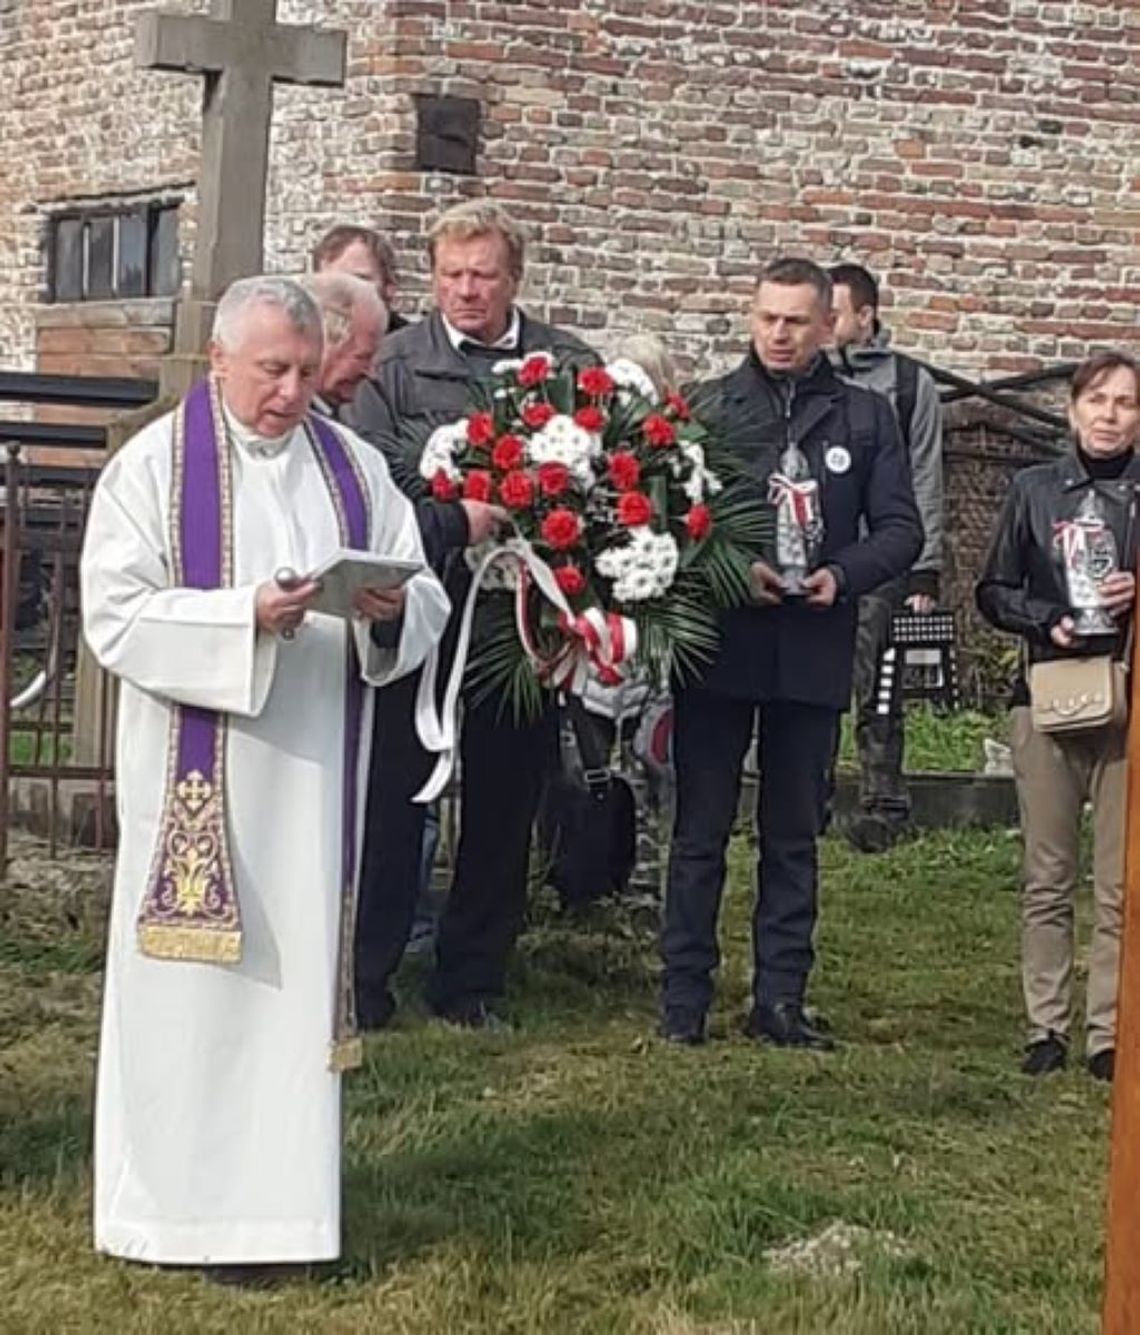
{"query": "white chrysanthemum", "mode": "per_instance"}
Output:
(563, 441)
(643, 567)
(506, 365)
(439, 452)
(628, 375)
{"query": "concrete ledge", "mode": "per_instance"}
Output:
(940, 801)
(77, 820)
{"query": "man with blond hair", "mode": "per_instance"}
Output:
(477, 255)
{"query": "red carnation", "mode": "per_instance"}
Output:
(481, 429)
(590, 419)
(507, 454)
(570, 580)
(477, 485)
(595, 381)
(679, 406)
(535, 369)
(659, 431)
(442, 487)
(561, 529)
(624, 470)
(634, 508)
(517, 491)
(536, 415)
(553, 479)
(699, 522)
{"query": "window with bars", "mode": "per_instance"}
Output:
(109, 253)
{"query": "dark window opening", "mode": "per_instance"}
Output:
(447, 134)
(107, 254)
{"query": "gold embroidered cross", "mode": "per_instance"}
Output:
(194, 791)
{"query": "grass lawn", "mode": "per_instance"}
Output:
(579, 1176)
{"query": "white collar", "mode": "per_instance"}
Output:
(260, 447)
(507, 342)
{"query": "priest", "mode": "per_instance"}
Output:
(241, 750)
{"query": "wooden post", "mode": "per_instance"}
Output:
(1121, 1315)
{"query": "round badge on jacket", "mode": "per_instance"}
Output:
(837, 459)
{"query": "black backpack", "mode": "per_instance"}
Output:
(587, 820)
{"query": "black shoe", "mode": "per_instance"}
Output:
(474, 1014)
(872, 832)
(785, 1025)
(375, 1011)
(1045, 1056)
(683, 1025)
(1102, 1065)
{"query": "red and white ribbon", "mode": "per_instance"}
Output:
(803, 497)
(1073, 541)
(598, 644)
(595, 643)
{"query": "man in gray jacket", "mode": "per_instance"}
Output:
(423, 379)
(864, 356)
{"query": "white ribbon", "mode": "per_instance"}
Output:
(598, 643)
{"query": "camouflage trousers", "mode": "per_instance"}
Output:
(878, 706)
(653, 797)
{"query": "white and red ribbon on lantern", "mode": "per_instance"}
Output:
(596, 644)
(802, 497)
(1072, 538)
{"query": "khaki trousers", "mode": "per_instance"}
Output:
(1056, 774)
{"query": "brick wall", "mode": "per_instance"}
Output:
(979, 154)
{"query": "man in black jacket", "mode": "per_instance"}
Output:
(785, 662)
(424, 379)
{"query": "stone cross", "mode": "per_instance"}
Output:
(242, 51)
(1121, 1314)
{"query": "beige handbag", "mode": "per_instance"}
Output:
(1078, 694)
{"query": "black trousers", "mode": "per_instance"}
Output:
(712, 734)
(393, 840)
(504, 767)
(879, 725)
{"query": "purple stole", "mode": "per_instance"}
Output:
(190, 910)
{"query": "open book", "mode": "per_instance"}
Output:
(346, 571)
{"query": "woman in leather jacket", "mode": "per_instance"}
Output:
(1064, 543)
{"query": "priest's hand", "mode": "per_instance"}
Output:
(1117, 592)
(379, 604)
(767, 586)
(483, 521)
(281, 610)
(822, 588)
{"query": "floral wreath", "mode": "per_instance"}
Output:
(629, 527)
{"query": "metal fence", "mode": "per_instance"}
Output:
(56, 708)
